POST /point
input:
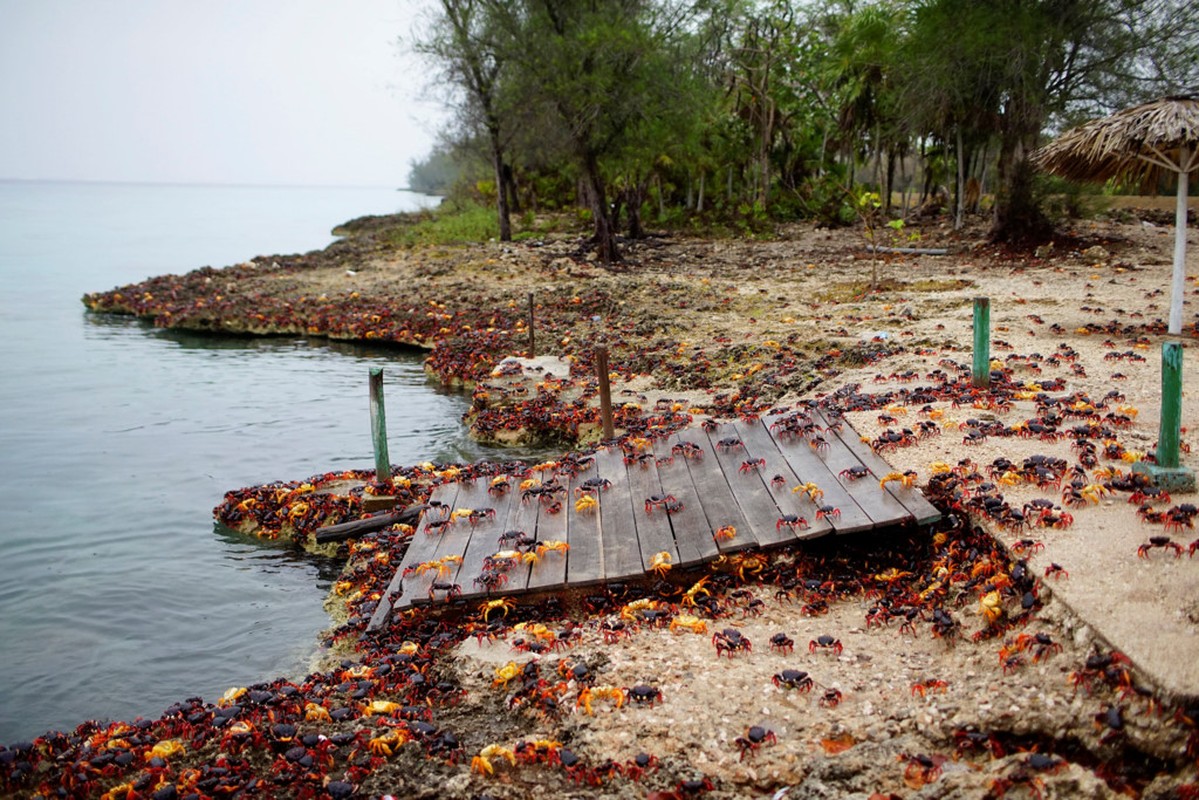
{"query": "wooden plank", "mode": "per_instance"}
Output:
(654, 533)
(760, 445)
(586, 562)
(693, 535)
(421, 548)
(913, 500)
(451, 542)
(544, 527)
(880, 506)
(522, 516)
(483, 539)
(753, 499)
(368, 524)
(749, 489)
(618, 526)
(715, 496)
(821, 468)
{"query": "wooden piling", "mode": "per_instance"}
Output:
(605, 391)
(981, 376)
(532, 347)
(379, 427)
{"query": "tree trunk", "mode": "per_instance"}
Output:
(960, 181)
(605, 233)
(699, 204)
(510, 186)
(890, 181)
(501, 194)
(634, 198)
(1017, 217)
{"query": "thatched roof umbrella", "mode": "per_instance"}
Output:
(1136, 143)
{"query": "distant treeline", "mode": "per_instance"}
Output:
(666, 109)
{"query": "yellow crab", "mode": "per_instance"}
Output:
(380, 707)
(426, 566)
(556, 546)
(813, 491)
(632, 611)
(314, 712)
(505, 604)
(991, 606)
(387, 743)
(505, 675)
(482, 763)
(698, 588)
(688, 622)
(1010, 478)
(660, 563)
(535, 629)
(592, 693)
(165, 749)
(586, 503)
(231, 696)
(907, 479)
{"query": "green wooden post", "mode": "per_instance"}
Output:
(379, 427)
(605, 391)
(1166, 472)
(981, 377)
(1171, 421)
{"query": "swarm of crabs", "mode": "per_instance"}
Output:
(927, 660)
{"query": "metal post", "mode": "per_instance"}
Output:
(532, 349)
(1171, 420)
(605, 391)
(1178, 282)
(981, 377)
(379, 427)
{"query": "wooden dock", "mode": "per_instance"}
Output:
(739, 474)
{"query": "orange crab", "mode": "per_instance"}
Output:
(660, 563)
(906, 478)
(592, 693)
(689, 623)
(482, 763)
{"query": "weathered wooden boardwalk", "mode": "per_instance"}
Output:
(739, 474)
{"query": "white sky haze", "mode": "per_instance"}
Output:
(281, 92)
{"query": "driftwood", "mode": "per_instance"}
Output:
(377, 522)
(915, 251)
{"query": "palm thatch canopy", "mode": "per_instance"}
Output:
(1138, 143)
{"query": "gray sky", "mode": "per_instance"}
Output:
(291, 92)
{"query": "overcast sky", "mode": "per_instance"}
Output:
(287, 92)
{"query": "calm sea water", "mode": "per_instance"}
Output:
(119, 595)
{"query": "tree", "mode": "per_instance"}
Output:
(461, 39)
(1009, 67)
(605, 70)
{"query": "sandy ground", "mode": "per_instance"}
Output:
(1096, 294)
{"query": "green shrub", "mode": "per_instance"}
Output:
(452, 223)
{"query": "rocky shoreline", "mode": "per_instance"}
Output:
(965, 667)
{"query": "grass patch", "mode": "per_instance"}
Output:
(464, 223)
(935, 285)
